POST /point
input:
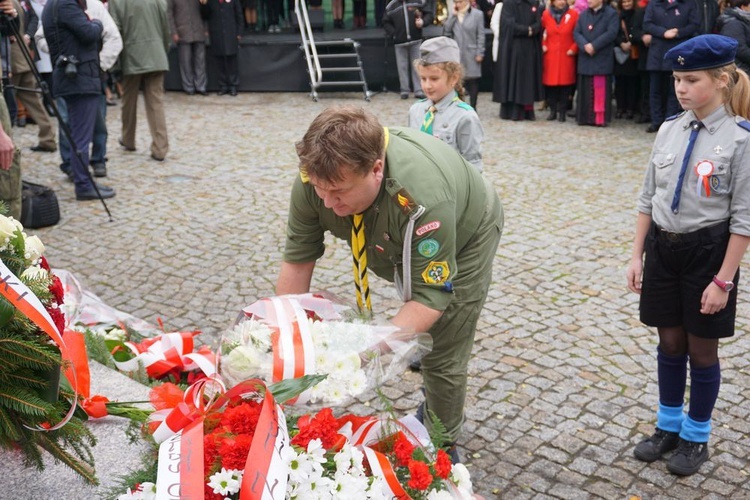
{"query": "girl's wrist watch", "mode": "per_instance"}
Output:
(727, 286)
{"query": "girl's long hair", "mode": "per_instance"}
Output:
(737, 92)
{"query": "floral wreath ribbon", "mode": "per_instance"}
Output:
(23, 299)
(704, 169)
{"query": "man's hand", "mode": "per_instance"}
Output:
(7, 149)
(294, 278)
(6, 7)
(670, 34)
(589, 49)
(175, 38)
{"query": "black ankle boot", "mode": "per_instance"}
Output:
(561, 117)
(552, 116)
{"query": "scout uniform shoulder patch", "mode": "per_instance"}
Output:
(430, 226)
(436, 273)
(401, 196)
(743, 123)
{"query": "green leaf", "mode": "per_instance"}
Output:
(291, 388)
(6, 311)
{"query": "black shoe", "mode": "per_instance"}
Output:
(552, 116)
(190, 92)
(530, 116)
(21, 122)
(233, 91)
(652, 129)
(619, 115)
(404, 95)
(419, 95)
(561, 117)
(223, 91)
(202, 92)
(419, 414)
(643, 119)
(100, 169)
(68, 173)
(629, 115)
(43, 149)
(122, 144)
(453, 453)
(571, 114)
(688, 458)
(415, 366)
(653, 447)
(90, 193)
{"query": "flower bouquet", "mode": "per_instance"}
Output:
(37, 409)
(142, 351)
(290, 336)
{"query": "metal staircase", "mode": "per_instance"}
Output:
(330, 64)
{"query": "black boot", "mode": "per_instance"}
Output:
(561, 117)
(552, 116)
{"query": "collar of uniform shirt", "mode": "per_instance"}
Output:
(711, 123)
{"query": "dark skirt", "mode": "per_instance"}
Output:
(594, 103)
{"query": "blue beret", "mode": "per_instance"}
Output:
(702, 52)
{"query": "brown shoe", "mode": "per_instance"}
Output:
(124, 146)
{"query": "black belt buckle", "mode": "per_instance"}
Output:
(670, 236)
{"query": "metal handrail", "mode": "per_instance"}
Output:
(311, 52)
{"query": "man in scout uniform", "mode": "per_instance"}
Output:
(416, 213)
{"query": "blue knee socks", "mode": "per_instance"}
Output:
(672, 372)
(704, 390)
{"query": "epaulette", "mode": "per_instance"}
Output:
(464, 105)
(743, 124)
(674, 116)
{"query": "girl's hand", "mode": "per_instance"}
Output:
(714, 299)
(570, 53)
(479, 59)
(633, 275)
(544, 49)
(625, 46)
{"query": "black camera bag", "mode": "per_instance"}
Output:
(39, 207)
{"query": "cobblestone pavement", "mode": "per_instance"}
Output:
(562, 384)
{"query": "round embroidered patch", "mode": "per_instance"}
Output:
(715, 182)
(428, 248)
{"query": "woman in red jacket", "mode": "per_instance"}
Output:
(559, 57)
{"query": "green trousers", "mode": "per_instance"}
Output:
(10, 180)
(444, 369)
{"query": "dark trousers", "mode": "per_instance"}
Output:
(472, 87)
(558, 97)
(627, 89)
(82, 111)
(229, 71)
(662, 97)
(99, 147)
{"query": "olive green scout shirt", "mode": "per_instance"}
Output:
(419, 170)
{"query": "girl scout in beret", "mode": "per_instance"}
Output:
(443, 113)
(693, 227)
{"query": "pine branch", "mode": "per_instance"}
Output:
(18, 352)
(8, 429)
(54, 449)
(24, 402)
(97, 349)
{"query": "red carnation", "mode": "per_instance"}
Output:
(443, 464)
(57, 317)
(210, 444)
(234, 451)
(403, 449)
(43, 263)
(323, 426)
(56, 289)
(421, 478)
(209, 493)
(242, 419)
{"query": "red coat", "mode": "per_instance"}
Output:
(558, 68)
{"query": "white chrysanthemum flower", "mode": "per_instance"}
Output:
(343, 459)
(376, 490)
(240, 364)
(225, 482)
(357, 383)
(439, 495)
(316, 488)
(461, 477)
(148, 491)
(34, 273)
(350, 487)
(34, 248)
(316, 451)
(299, 465)
(116, 334)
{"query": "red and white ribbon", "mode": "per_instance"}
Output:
(381, 467)
(167, 353)
(703, 170)
(23, 299)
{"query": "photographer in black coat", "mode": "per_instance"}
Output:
(74, 41)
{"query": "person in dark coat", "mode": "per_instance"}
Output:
(518, 70)
(627, 81)
(224, 31)
(708, 11)
(74, 41)
(735, 23)
(595, 35)
(669, 23)
(642, 41)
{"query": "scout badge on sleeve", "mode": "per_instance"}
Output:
(703, 170)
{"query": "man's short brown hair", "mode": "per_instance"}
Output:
(345, 136)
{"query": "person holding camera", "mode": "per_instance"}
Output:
(10, 156)
(73, 41)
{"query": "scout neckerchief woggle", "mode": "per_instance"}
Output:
(429, 117)
(359, 264)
